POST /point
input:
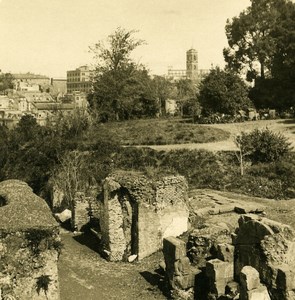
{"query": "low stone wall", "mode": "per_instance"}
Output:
(29, 245)
(136, 213)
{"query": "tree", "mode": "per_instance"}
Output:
(223, 92)
(6, 82)
(186, 92)
(254, 37)
(117, 83)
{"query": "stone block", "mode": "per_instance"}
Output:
(219, 274)
(174, 248)
(183, 266)
(225, 252)
(249, 278)
(185, 282)
(285, 278)
(259, 293)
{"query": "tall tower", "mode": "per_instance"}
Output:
(192, 64)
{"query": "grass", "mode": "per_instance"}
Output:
(161, 132)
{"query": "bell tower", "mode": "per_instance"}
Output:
(192, 64)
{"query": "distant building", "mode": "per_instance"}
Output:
(25, 86)
(78, 99)
(31, 79)
(192, 70)
(80, 80)
(170, 106)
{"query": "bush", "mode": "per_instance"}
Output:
(263, 145)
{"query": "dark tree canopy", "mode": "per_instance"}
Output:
(121, 87)
(223, 92)
(252, 39)
(261, 41)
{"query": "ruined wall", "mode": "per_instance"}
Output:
(29, 245)
(258, 262)
(136, 213)
(80, 211)
(269, 247)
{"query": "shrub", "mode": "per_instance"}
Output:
(263, 145)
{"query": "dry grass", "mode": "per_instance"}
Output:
(162, 132)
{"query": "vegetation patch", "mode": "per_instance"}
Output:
(161, 132)
(41, 240)
(42, 283)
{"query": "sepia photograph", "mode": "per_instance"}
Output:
(147, 150)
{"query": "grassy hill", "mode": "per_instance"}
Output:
(161, 132)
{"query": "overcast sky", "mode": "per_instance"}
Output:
(53, 36)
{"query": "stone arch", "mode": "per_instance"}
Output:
(129, 209)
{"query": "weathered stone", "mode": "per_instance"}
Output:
(184, 281)
(132, 258)
(232, 289)
(64, 215)
(249, 278)
(183, 266)
(285, 278)
(219, 274)
(174, 248)
(202, 243)
(225, 252)
(259, 293)
(252, 232)
(136, 213)
(30, 244)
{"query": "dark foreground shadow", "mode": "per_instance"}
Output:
(89, 240)
(157, 281)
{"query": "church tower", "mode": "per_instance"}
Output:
(192, 64)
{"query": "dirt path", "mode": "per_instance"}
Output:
(83, 274)
(286, 127)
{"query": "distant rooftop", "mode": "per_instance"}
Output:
(29, 76)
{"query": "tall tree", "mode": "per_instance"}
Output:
(223, 92)
(117, 82)
(252, 43)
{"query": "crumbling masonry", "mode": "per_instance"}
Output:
(255, 262)
(29, 245)
(136, 213)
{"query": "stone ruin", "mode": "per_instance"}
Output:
(255, 262)
(136, 213)
(29, 245)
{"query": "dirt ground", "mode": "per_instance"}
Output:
(284, 126)
(83, 274)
